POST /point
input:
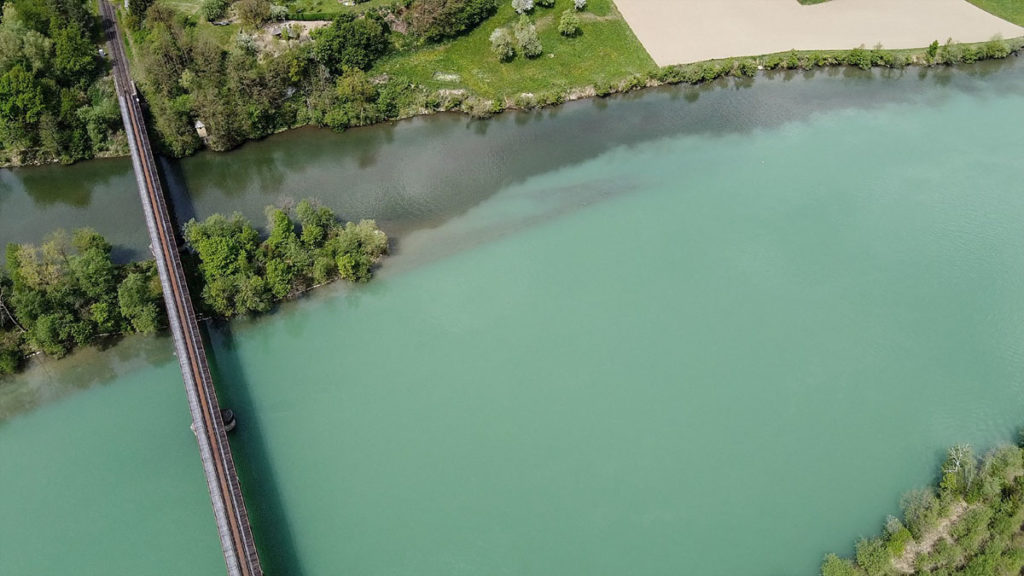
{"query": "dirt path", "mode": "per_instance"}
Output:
(681, 31)
(905, 563)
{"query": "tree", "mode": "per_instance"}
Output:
(569, 24)
(351, 43)
(212, 10)
(356, 98)
(522, 6)
(526, 37)
(358, 247)
(253, 13)
(138, 301)
(139, 7)
(579, 4)
(503, 44)
(21, 106)
(959, 471)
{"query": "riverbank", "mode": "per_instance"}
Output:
(696, 74)
(498, 373)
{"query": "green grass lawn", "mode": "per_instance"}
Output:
(1012, 10)
(332, 6)
(606, 51)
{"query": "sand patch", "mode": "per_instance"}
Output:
(682, 31)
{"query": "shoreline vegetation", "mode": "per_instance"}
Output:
(67, 293)
(272, 68)
(970, 525)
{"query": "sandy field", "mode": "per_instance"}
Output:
(681, 31)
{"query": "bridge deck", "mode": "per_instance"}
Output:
(225, 494)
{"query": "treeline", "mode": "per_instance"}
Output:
(56, 101)
(974, 519)
(67, 293)
(241, 274)
(241, 92)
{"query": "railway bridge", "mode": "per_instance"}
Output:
(225, 493)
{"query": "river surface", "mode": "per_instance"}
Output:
(709, 331)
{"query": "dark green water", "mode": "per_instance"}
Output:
(707, 332)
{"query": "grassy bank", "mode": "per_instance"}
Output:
(605, 52)
(1010, 10)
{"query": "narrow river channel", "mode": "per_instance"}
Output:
(710, 331)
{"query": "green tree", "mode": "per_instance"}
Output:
(569, 24)
(21, 106)
(356, 101)
(214, 9)
(503, 44)
(527, 38)
(253, 13)
(74, 57)
(351, 43)
(836, 566)
(358, 247)
(138, 301)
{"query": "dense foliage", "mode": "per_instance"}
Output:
(974, 520)
(241, 274)
(239, 93)
(68, 292)
(56, 103)
(435, 20)
(351, 42)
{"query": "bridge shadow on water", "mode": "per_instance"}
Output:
(270, 524)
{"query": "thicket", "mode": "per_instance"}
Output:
(68, 293)
(243, 274)
(982, 503)
(56, 102)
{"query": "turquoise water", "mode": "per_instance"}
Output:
(704, 351)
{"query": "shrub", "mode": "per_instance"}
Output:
(522, 6)
(836, 566)
(933, 49)
(527, 39)
(569, 24)
(503, 44)
(996, 48)
(747, 68)
(873, 557)
(860, 58)
(922, 510)
(545, 3)
(213, 9)
(278, 12)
